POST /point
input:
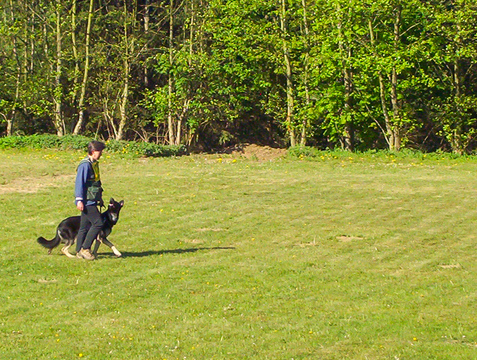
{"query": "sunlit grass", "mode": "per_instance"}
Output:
(343, 256)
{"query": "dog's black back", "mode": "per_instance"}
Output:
(67, 230)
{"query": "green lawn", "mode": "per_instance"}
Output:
(346, 256)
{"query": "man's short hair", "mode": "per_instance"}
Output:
(95, 146)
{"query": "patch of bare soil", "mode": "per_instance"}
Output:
(257, 152)
(28, 185)
(346, 238)
(450, 266)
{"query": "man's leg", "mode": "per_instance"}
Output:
(83, 230)
(94, 217)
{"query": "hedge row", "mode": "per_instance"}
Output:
(70, 142)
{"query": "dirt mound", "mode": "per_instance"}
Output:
(258, 152)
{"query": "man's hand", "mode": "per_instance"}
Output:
(80, 205)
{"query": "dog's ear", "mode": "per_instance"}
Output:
(111, 201)
(121, 203)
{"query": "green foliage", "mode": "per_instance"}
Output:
(211, 73)
(145, 149)
(407, 156)
(70, 142)
(303, 151)
(32, 142)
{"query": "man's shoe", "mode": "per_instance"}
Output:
(78, 255)
(86, 254)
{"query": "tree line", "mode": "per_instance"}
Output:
(206, 73)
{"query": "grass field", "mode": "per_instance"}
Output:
(346, 256)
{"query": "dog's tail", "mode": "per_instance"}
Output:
(49, 244)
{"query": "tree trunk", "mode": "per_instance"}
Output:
(9, 126)
(58, 92)
(10, 119)
(288, 74)
(81, 109)
(396, 126)
(457, 143)
(347, 135)
(382, 89)
(389, 133)
(348, 132)
(191, 32)
(30, 48)
(170, 124)
(305, 123)
(109, 118)
(125, 94)
(124, 102)
(146, 32)
(76, 73)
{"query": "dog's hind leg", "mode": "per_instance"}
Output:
(111, 245)
(65, 248)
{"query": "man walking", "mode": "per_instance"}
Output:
(88, 196)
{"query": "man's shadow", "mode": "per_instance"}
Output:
(175, 251)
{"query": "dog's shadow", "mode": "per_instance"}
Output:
(165, 252)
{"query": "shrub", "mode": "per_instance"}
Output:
(145, 149)
(303, 151)
(71, 142)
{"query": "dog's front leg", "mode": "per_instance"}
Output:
(110, 244)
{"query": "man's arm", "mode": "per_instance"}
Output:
(80, 184)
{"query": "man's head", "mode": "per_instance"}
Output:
(95, 149)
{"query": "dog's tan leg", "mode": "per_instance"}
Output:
(116, 251)
(110, 244)
(65, 251)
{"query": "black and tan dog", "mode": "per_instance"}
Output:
(68, 230)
